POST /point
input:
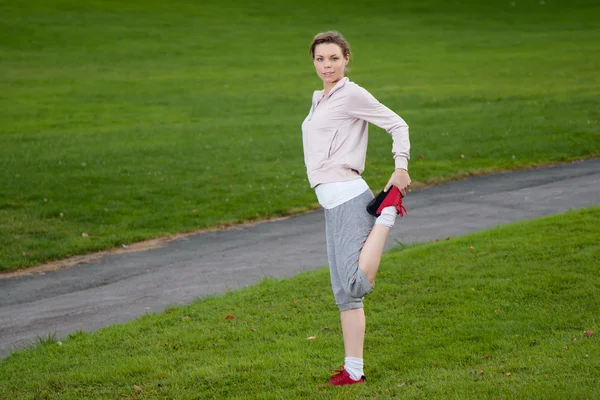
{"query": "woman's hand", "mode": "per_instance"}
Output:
(400, 179)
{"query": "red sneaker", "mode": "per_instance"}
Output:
(342, 377)
(393, 197)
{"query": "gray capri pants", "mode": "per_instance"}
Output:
(347, 226)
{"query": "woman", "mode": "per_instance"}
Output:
(335, 144)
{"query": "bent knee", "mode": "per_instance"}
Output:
(359, 286)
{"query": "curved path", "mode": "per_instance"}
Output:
(120, 287)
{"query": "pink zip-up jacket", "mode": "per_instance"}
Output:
(335, 133)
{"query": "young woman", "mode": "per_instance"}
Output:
(335, 145)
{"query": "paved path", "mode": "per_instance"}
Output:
(123, 286)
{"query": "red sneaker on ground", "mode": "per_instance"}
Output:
(342, 377)
(393, 197)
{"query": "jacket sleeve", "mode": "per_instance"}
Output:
(363, 105)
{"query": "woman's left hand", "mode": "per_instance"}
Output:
(400, 179)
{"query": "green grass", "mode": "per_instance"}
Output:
(132, 120)
(516, 299)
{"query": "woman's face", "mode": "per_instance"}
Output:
(330, 62)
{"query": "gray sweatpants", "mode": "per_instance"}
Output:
(347, 226)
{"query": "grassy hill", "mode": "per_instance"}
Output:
(122, 121)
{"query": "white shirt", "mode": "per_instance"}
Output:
(333, 194)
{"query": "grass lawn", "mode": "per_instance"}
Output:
(123, 121)
(494, 315)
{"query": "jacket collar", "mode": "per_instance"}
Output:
(337, 86)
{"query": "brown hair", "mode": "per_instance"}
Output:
(330, 37)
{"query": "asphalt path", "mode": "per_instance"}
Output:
(121, 287)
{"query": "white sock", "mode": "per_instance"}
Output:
(387, 217)
(354, 366)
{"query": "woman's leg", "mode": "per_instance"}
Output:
(370, 255)
(353, 330)
(355, 247)
(347, 228)
(353, 321)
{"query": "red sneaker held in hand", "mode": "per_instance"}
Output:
(393, 197)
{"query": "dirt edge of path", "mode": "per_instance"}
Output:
(140, 246)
